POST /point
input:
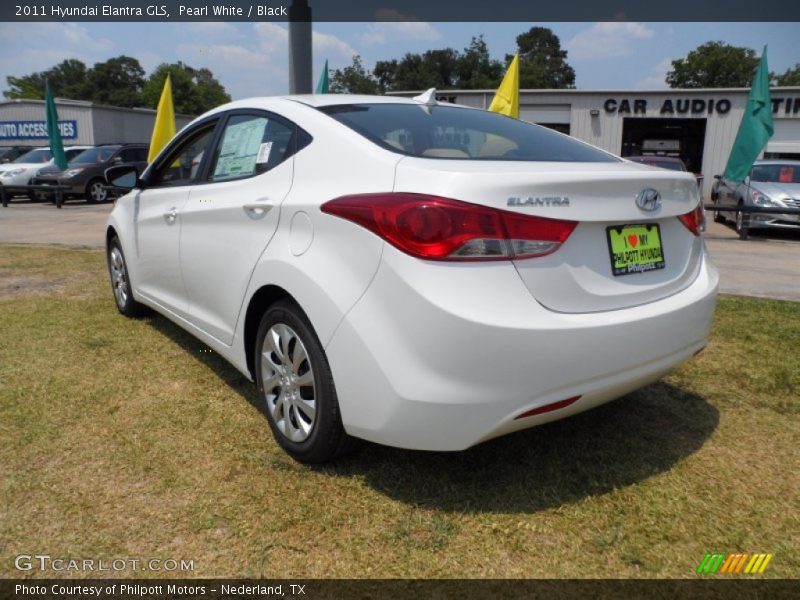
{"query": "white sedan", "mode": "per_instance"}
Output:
(26, 166)
(416, 274)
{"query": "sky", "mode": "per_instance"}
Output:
(251, 59)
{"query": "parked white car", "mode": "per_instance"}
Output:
(23, 168)
(416, 274)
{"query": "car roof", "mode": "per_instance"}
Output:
(317, 100)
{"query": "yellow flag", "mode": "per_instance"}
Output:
(164, 128)
(506, 99)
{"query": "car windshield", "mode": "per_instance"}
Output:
(777, 173)
(40, 155)
(100, 154)
(460, 133)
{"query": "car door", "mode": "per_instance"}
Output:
(231, 217)
(158, 218)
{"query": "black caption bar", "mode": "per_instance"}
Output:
(403, 10)
(396, 589)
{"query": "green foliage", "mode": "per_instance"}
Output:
(194, 91)
(67, 80)
(476, 69)
(353, 79)
(116, 82)
(714, 65)
(542, 62)
(790, 77)
(121, 81)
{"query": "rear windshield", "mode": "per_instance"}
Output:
(460, 133)
(99, 154)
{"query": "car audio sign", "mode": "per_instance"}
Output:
(35, 130)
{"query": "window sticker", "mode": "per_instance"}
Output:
(786, 175)
(263, 152)
(241, 145)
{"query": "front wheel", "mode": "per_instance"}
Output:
(96, 191)
(739, 225)
(296, 384)
(120, 281)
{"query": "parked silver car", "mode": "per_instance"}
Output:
(771, 183)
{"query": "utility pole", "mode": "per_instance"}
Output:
(299, 47)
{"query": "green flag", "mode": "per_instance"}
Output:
(53, 133)
(756, 126)
(322, 85)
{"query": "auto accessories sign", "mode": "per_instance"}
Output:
(35, 130)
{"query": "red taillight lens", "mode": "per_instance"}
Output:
(695, 220)
(442, 229)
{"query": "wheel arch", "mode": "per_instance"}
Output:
(264, 297)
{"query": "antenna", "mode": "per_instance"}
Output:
(426, 98)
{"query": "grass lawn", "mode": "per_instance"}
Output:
(129, 439)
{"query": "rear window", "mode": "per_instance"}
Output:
(460, 133)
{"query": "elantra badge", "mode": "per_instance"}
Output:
(648, 199)
(545, 201)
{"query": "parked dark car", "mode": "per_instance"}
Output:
(665, 162)
(85, 174)
(9, 153)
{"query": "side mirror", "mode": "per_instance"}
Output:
(123, 177)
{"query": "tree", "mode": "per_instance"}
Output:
(67, 80)
(476, 69)
(542, 62)
(790, 77)
(353, 79)
(194, 91)
(117, 82)
(714, 65)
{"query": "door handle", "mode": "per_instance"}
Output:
(171, 215)
(257, 209)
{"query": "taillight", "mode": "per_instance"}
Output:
(694, 221)
(436, 228)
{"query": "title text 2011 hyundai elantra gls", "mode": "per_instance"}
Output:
(416, 274)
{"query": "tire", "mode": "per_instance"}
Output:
(738, 224)
(96, 191)
(121, 283)
(719, 217)
(296, 383)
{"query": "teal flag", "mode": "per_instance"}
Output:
(322, 84)
(756, 126)
(53, 132)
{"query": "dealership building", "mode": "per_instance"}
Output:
(696, 125)
(22, 123)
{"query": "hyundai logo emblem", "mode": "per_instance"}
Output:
(648, 199)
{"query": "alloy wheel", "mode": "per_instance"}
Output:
(289, 386)
(119, 278)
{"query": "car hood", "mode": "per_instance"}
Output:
(777, 190)
(11, 166)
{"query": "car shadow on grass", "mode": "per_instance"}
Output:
(612, 446)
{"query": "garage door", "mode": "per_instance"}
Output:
(786, 138)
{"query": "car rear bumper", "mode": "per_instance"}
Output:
(428, 360)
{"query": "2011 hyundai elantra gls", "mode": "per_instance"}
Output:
(416, 274)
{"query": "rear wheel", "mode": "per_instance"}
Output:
(120, 281)
(296, 383)
(96, 191)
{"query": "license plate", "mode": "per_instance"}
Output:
(635, 248)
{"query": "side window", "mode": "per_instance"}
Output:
(140, 155)
(251, 145)
(72, 154)
(181, 166)
(128, 155)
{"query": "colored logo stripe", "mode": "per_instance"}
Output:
(734, 563)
